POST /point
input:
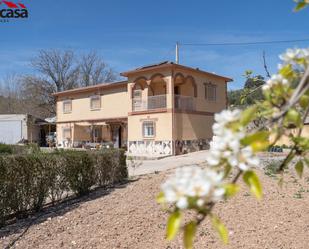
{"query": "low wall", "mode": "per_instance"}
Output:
(165, 148)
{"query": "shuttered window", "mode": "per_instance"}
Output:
(210, 92)
(95, 102)
(67, 106)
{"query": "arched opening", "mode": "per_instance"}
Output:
(190, 87)
(138, 93)
(157, 90)
(158, 84)
(185, 90)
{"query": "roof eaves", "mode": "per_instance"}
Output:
(91, 88)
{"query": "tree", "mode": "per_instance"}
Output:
(59, 71)
(10, 94)
(58, 68)
(93, 70)
(254, 82)
(37, 96)
(251, 92)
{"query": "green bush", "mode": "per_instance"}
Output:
(79, 171)
(110, 164)
(19, 149)
(28, 181)
(5, 149)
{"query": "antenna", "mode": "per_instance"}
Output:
(177, 53)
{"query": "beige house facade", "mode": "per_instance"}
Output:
(286, 138)
(161, 110)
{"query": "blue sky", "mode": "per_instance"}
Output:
(128, 34)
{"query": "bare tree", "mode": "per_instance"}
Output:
(57, 68)
(10, 94)
(37, 96)
(58, 71)
(93, 70)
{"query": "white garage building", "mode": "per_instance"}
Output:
(17, 127)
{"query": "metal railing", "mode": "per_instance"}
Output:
(185, 103)
(150, 103)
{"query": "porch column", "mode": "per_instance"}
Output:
(170, 93)
(72, 135)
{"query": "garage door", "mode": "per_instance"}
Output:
(10, 131)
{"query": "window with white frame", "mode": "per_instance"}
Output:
(148, 129)
(95, 102)
(210, 92)
(67, 106)
(66, 133)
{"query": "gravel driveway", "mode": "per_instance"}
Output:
(127, 217)
(199, 157)
(151, 166)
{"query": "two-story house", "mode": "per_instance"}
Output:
(162, 109)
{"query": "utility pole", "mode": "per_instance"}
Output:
(177, 53)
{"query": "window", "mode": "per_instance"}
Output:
(148, 129)
(66, 133)
(67, 106)
(137, 99)
(95, 102)
(210, 92)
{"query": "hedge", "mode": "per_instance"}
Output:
(29, 181)
(18, 149)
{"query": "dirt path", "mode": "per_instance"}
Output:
(128, 217)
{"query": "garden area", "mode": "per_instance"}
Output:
(127, 216)
(31, 179)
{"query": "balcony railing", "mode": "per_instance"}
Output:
(150, 103)
(185, 103)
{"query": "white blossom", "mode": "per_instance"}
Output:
(226, 143)
(275, 80)
(193, 182)
(223, 118)
(293, 56)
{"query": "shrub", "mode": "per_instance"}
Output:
(110, 164)
(19, 149)
(28, 181)
(272, 168)
(79, 171)
(5, 149)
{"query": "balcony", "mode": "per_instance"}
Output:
(150, 103)
(185, 103)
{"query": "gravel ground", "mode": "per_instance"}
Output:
(128, 217)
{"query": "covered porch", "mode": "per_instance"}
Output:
(90, 134)
(152, 94)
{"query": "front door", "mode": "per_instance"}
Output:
(116, 134)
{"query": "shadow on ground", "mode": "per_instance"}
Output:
(21, 226)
